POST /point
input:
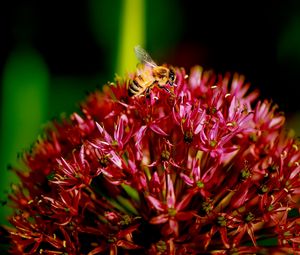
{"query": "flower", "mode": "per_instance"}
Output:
(202, 167)
(171, 210)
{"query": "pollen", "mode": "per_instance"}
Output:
(231, 124)
(221, 221)
(172, 212)
(249, 217)
(165, 155)
(200, 184)
(207, 206)
(213, 143)
(245, 173)
(161, 246)
(104, 161)
(188, 136)
(264, 189)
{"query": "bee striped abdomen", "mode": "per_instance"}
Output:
(138, 85)
(139, 80)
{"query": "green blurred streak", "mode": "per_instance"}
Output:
(133, 193)
(24, 104)
(117, 27)
(132, 33)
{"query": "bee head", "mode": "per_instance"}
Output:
(172, 76)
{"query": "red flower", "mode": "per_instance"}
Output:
(199, 168)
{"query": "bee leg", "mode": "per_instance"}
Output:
(147, 93)
(164, 87)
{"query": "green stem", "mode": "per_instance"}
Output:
(132, 33)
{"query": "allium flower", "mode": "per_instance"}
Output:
(199, 169)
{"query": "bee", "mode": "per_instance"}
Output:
(149, 74)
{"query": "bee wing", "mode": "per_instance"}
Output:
(143, 56)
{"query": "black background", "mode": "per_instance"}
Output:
(226, 36)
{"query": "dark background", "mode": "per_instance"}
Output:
(250, 37)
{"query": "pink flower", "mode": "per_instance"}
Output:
(202, 167)
(170, 211)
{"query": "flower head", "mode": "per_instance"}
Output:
(197, 168)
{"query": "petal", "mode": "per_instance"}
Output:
(240, 197)
(113, 250)
(156, 203)
(183, 216)
(195, 77)
(155, 179)
(185, 201)
(67, 168)
(200, 121)
(232, 108)
(197, 173)
(157, 129)
(81, 156)
(54, 242)
(155, 163)
(203, 137)
(174, 226)
(276, 122)
(223, 232)
(251, 234)
(102, 131)
(171, 199)
(140, 134)
(181, 111)
(128, 136)
(171, 247)
(175, 116)
(295, 172)
(106, 173)
(295, 240)
(187, 179)
(127, 245)
(129, 230)
(97, 250)
(241, 231)
(116, 159)
(119, 131)
(209, 173)
(214, 131)
(160, 219)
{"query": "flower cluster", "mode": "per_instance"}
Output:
(203, 168)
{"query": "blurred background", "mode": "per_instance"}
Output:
(53, 52)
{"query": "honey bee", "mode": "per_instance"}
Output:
(149, 74)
